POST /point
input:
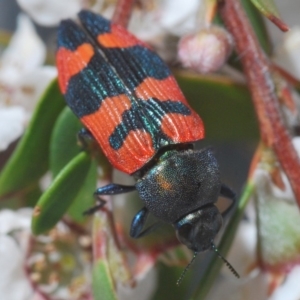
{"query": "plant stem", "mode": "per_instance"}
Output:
(257, 69)
(123, 12)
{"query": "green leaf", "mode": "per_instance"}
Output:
(258, 25)
(64, 148)
(64, 140)
(110, 264)
(59, 196)
(32, 196)
(29, 198)
(225, 106)
(269, 9)
(103, 287)
(167, 288)
(84, 199)
(30, 159)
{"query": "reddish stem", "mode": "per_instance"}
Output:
(257, 69)
(287, 76)
(278, 22)
(123, 12)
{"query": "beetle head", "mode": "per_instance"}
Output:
(197, 230)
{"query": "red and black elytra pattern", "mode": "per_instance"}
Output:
(122, 92)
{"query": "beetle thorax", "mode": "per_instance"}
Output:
(180, 184)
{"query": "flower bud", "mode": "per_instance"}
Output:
(205, 51)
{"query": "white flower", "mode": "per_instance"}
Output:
(151, 23)
(174, 17)
(50, 13)
(288, 53)
(12, 122)
(14, 236)
(22, 80)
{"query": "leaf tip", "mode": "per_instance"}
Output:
(279, 23)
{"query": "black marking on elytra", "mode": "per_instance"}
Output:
(94, 23)
(135, 64)
(70, 36)
(146, 115)
(87, 89)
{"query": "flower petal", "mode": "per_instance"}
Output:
(25, 52)
(287, 55)
(31, 86)
(179, 17)
(12, 121)
(50, 13)
(11, 220)
(13, 282)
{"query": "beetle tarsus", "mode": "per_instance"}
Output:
(95, 208)
(114, 189)
(84, 138)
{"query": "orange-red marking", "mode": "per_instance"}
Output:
(115, 39)
(182, 129)
(162, 89)
(103, 122)
(70, 63)
(136, 151)
(137, 148)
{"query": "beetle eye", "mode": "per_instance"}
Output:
(183, 234)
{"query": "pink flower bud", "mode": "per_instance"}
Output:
(205, 51)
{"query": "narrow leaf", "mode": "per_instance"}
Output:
(268, 9)
(30, 159)
(84, 199)
(56, 200)
(64, 140)
(167, 288)
(259, 26)
(103, 287)
(110, 265)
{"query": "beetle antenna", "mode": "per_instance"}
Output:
(186, 269)
(234, 272)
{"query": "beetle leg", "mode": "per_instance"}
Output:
(228, 193)
(98, 206)
(114, 189)
(84, 138)
(110, 189)
(138, 223)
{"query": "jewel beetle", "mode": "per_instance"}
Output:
(128, 100)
